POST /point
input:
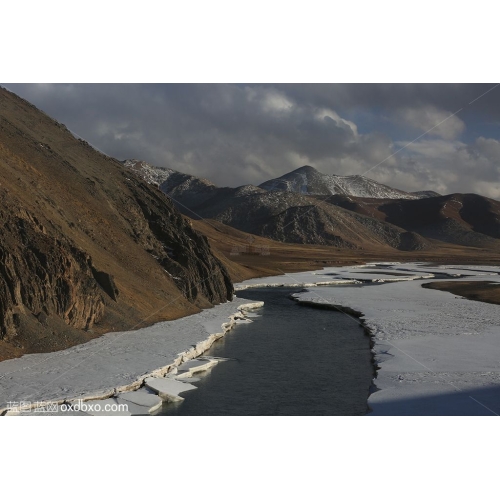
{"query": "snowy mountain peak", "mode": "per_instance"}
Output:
(306, 169)
(308, 180)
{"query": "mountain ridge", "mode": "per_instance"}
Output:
(342, 220)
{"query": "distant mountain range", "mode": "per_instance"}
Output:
(306, 206)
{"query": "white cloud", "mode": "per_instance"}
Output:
(490, 148)
(432, 120)
(453, 166)
(488, 189)
(326, 113)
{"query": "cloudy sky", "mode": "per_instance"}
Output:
(441, 137)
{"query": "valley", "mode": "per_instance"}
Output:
(139, 268)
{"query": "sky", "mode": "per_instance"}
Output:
(440, 137)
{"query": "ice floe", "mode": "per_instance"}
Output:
(197, 365)
(328, 276)
(142, 397)
(169, 389)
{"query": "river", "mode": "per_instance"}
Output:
(291, 360)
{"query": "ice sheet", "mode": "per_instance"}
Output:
(115, 362)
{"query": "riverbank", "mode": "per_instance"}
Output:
(437, 353)
(115, 363)
(482, 291)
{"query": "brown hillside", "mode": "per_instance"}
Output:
(461, 219)
(84, 248)
(248, 256)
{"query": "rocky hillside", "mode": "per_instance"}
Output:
(425, 194)
(461, 219)
(85, 247)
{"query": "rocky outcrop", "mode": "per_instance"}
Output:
(184, 253)
(43, 276)
(106, 282)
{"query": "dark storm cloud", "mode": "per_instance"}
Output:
(393, 96)
(237, 134)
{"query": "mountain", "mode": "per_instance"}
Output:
(461, 219)
(85, 246)
(184, 189)
(308, 181)
(280, 215)
(300, 208)
(247, 256)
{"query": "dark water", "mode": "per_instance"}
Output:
(293, 360)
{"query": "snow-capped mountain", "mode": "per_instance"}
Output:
(152, 175)
(186, 190)
(299, 207)
(307, 180)
(282, 215)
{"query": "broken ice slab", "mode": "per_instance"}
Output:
(168, 389)
(133, 408)
(142, 397)
(190, 380)
(194, 366)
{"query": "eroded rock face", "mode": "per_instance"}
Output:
(43, 276)
(184, 253)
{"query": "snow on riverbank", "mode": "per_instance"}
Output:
(334, 276)
(303, 279)
(437, 353)
(118, 362)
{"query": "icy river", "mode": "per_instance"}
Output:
(435, 353)
(290, 360)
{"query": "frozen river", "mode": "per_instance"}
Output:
(436, 353)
